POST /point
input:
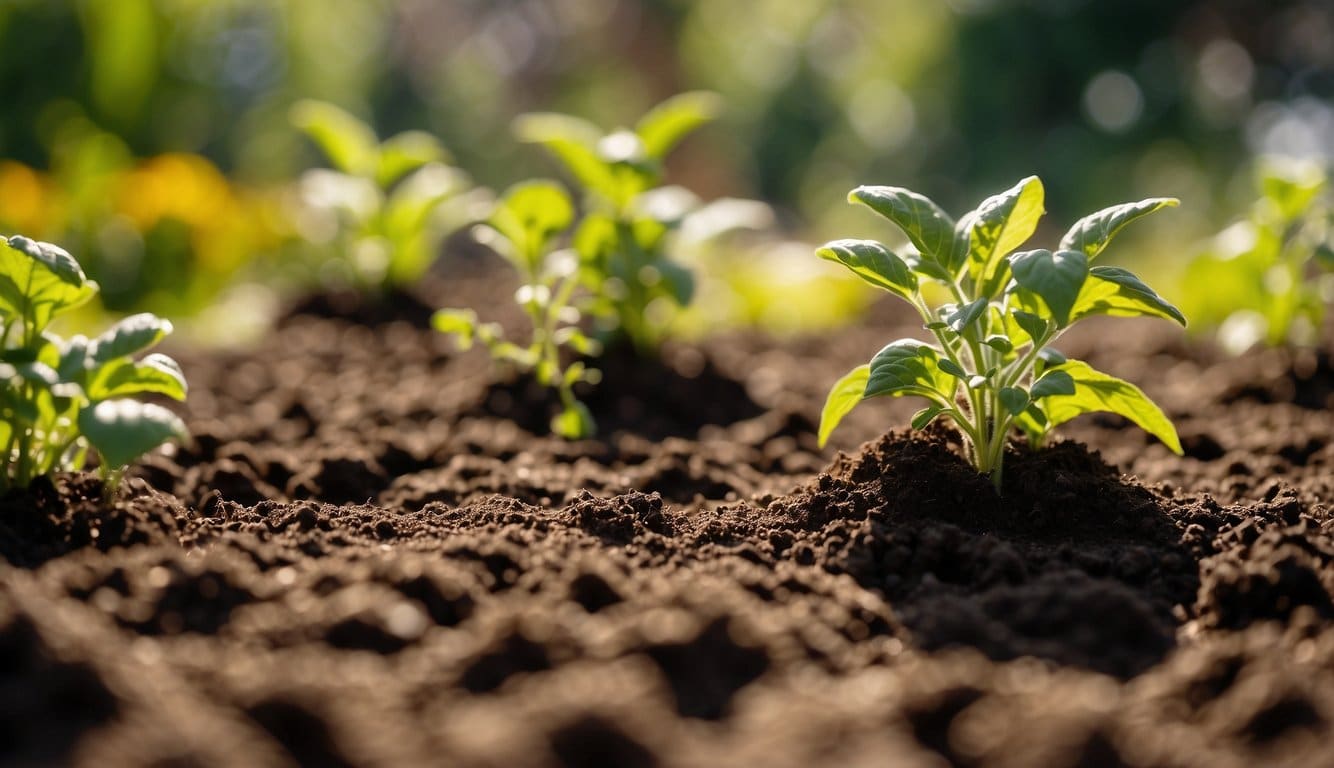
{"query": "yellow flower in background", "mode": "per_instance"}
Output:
(29, 202)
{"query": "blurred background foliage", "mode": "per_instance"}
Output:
(152, 137)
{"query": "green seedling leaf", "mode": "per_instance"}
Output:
(1097, 391)
(909, 367)
(1291, 186)
(39, 280)
(349, 143)
(404, 153)
(1034, 325)
(460, 323)
(124, 430)
(1091, 234)
(574, 422)
(1119, 293)
(930, 229)
(575, 339)
(56, 259)
(952, 368)
(1055, 277)
(155, 374)
(926, 416)
(574, 143)
(530, 215)
(668, 123)
(1051, 356)
(1014, 399)
(1002, 223)
(965, 315)
(873, 263)
(843, 397)
(999, 343)
(132, 334)
(1054, 382)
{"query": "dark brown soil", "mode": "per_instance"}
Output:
(372, 555)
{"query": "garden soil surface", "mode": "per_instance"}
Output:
(371, 554)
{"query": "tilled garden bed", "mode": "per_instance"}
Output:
(372, 554)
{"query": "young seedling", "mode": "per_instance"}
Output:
(524, 228)
(992, 366)
(623, 239)
(1271, 274)
(383, 208)
(60, 397)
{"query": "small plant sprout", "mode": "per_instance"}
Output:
(384, 206)
(992, 366)
(1271, 275)
(59, 397)
(622, 240)
(525, 228)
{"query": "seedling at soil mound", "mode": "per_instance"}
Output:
(992, 366)
(1270, 275)
(524, 228)
(59, 397)
(623, 238)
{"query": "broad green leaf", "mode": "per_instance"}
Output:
(1055, 277)
(873, 263)
(39, 280)
(965, 315)
(926, 224)
(404, 153)
(530, 214)
(349, 143)
(574, 142)
(843, 397)
(1097, 391)
(666, 124)
(1003, 222)
(31, 371)
(909, 367)
(952, 368)
(124, 430)
(132, 334)
(1119, 293)
(459, 322)
(999, 343)
(1035, 326)
(73, 358)
(1054, 382)
(56, 259)
(1091, 234)
(156, 374)
(1051, 356)
(574, 422)
(1014, 399)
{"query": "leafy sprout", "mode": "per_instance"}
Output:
(1271, 274)
(60, 397)
(992, 367)
(623, 239)
(385, 205)
(525, 228)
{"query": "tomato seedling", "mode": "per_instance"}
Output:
(1271, 274)
(525, 227)
(992, 366)
(623, 238)
(58, 396)
(377, 217)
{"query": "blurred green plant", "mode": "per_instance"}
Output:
(993, 367)
(525, 228)
(623, 240)
(58, 396)
(1269, 277)
(377, 218)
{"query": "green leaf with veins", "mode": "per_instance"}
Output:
(1097, 391)
(909, 367)
(155, 374)
(1055, 277)
(927, 226)
(124, 430)
(1117, 292)
(843, 397)
(1002, 223)
(1091, 234)
(873, 263)
(131, 335)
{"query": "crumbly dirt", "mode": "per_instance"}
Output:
(371, 554)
